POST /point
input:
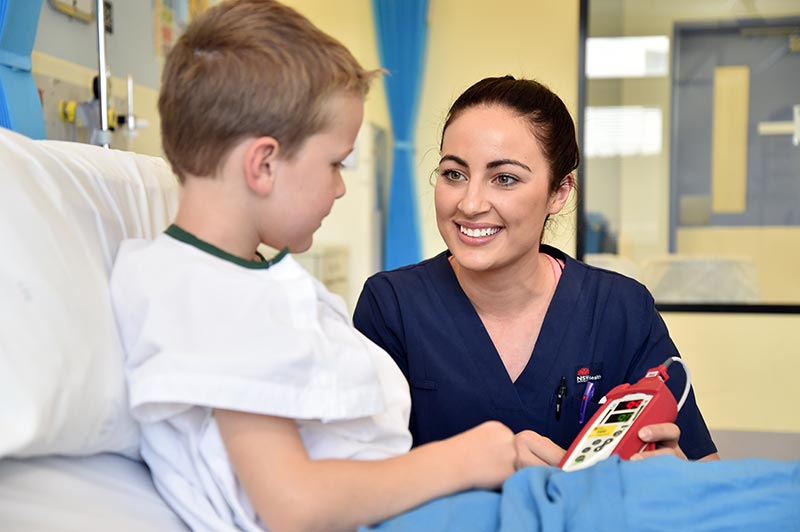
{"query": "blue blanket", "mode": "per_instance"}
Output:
(658, 494)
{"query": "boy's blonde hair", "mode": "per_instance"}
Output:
(249, 68)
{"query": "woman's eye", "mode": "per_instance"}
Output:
(506, 180)
(452, 175)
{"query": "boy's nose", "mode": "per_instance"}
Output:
(340, 187)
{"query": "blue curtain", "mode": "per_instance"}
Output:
(20, 107)
(402, 33)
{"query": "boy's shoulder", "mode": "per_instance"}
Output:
(134, 254)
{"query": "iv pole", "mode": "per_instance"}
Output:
(103, 136)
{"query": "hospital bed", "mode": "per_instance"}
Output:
(68, 447)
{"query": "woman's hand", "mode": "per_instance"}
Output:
(665, 436)
(535, 449)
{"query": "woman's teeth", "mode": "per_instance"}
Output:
(479, 232)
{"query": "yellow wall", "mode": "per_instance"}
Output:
(351, 23)
(744, 368)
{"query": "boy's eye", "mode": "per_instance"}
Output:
(348, 162)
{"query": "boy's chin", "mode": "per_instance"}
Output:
(300, 247)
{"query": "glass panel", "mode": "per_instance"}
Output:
(626, 57)
(691, 174)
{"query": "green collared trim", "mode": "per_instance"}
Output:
(184, 236)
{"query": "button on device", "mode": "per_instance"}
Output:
(586, 449)
(597, 441)
(618, 433)
(581, 458)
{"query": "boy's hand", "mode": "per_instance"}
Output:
(488, 454)
(534, 449)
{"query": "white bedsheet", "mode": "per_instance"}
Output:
(100, 492)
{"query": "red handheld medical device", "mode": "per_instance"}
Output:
(614, 428)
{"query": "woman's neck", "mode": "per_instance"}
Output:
(508, 291)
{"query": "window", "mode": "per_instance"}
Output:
(691, 170)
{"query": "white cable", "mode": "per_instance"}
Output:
(688, 380)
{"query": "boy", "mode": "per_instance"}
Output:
(260, 405)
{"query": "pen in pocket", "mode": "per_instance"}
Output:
(561, 392)
(588, 393)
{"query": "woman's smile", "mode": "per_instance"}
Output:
(477, 234)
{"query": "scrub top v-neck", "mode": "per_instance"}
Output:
(600, 327)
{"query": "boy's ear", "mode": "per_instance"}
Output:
(559, 197)
(259, 165)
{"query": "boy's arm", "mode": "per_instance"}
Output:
(289, 491)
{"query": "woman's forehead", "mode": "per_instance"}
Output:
(489, 130)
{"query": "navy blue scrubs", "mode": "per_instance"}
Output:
(600, 326)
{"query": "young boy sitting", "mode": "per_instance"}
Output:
(260, 404)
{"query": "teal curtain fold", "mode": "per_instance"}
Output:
(20, 106)
(402, 34)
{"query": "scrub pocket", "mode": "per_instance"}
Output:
(568, 428)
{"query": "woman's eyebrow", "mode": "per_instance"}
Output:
(455, 159)
(502, 162)
(492, 164)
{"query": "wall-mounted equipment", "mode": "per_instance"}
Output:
(82, 10)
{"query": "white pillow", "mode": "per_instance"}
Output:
(64, 207)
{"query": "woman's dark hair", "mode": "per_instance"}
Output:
(547, 115)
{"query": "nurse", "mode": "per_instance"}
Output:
(500, 326)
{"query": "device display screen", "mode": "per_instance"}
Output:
(619, 417)
(628, 405)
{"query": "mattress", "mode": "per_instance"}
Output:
(100, 492)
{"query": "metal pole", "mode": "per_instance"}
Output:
(583, 34)
(104, 137)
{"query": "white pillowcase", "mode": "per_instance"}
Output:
(64, 208)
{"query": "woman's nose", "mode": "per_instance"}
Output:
(474, 200)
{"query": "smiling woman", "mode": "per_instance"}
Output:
(499, 326)
(484, 195)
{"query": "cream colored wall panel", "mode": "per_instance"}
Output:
(744, 368)
(774, 250)
(729, 139)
